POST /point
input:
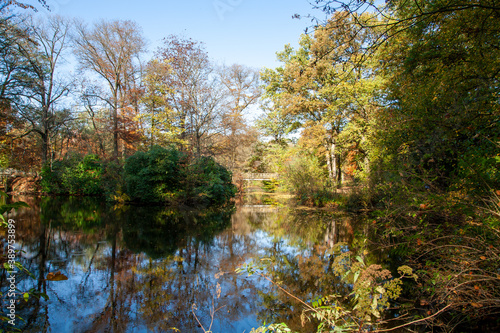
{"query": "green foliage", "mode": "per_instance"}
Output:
(5, 208)
(270, 186)
(209, 182)
(159, 175)
(155, 175)
(4, 161)
(112, 179)
(277, 328)
(165, 175)
(441, 122)
(372, 287)
(74, 175)
(305, 178)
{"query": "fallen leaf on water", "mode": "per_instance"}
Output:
(57, 276)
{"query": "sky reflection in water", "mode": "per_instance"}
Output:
(150, 269)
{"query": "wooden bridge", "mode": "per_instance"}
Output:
(259, 176)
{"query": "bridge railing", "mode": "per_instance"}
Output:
(259, 176)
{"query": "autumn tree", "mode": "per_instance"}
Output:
(242, 86)
(43, 86)
(24, 5)
(12, 65)
(440, 62)
(159, 121)
(322, 86)
(196, 94)
(111, 50)
(94, 117)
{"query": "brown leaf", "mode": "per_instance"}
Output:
(57, 276)
(476, 305)
(419, 241)
(482, 257)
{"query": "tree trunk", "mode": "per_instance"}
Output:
(338, 171)
(330, 160)
(45, 148)
(115, 126)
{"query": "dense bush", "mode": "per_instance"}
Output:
(209, 181)
(160, 175)
(155, 175)
(74, 175)
(165, 175)
(305, 177)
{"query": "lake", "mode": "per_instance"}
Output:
(157, 269)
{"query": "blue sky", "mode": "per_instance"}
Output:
(247, 32)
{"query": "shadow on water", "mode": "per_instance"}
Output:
(154, 269)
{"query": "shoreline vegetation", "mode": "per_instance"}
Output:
(159, 176)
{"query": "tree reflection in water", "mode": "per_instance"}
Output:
(142, 268)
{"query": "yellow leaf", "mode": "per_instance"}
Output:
(57, 276)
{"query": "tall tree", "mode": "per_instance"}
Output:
(321, 85)
(158, 119)
(196, 94)
(12, 65)
(243, 91)
(44, 87)
(442, 93)
(112, 49)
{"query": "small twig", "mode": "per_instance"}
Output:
(416, 321)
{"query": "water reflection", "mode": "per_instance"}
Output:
(151, 269)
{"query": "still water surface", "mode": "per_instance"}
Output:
(153, 269)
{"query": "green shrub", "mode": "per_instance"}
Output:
(84, 177)
(305, 177)
(112, 179)
(209, 182)
(155, 175)
(51, 179)
(74, 175)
